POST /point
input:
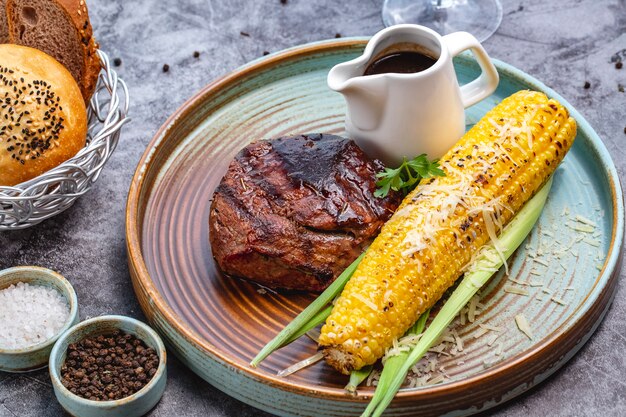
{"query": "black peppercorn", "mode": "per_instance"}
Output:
(117, 379)
(166, 68)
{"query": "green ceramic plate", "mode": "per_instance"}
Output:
(569, 266)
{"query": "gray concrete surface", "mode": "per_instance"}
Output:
(563, 43)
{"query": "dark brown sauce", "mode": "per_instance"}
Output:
(401, 62)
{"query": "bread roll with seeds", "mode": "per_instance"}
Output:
(43, 120)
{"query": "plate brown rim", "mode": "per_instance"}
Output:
(549, 352)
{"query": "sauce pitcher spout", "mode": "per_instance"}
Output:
(366, 97)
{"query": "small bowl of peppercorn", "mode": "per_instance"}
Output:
(108, 366)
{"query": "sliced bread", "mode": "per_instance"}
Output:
(4, 27)
(61, 28)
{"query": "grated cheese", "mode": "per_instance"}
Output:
(513, 290)
(418, 381)
(462, 316)
(492, 328)
(436, 380)
(493, 339)
(593, 242)
(301, 365)
(584, 220)
(523, 326)
(481, 332)
(458, 341)
(366, 302)
(489, 363)
(585, 228)
(437, 348)
(471, 312)
(476, 281)
(495, 241)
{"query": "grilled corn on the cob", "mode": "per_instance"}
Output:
(421, 251)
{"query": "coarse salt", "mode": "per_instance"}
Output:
(30, 314)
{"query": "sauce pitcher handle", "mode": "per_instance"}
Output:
(486, 84)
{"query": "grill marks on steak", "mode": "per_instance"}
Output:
(294, 212)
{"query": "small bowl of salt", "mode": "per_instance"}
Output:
(36, 306)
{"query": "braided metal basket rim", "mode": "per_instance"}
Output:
(29, 203)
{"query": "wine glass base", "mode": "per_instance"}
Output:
(481, 18)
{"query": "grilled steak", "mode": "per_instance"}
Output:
(294, 212)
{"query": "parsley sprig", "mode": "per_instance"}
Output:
(407, 176)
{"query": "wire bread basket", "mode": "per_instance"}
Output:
(52, 192)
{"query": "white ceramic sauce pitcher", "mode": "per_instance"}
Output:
(391, 115)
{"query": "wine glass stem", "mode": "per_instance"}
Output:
(442, 4)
